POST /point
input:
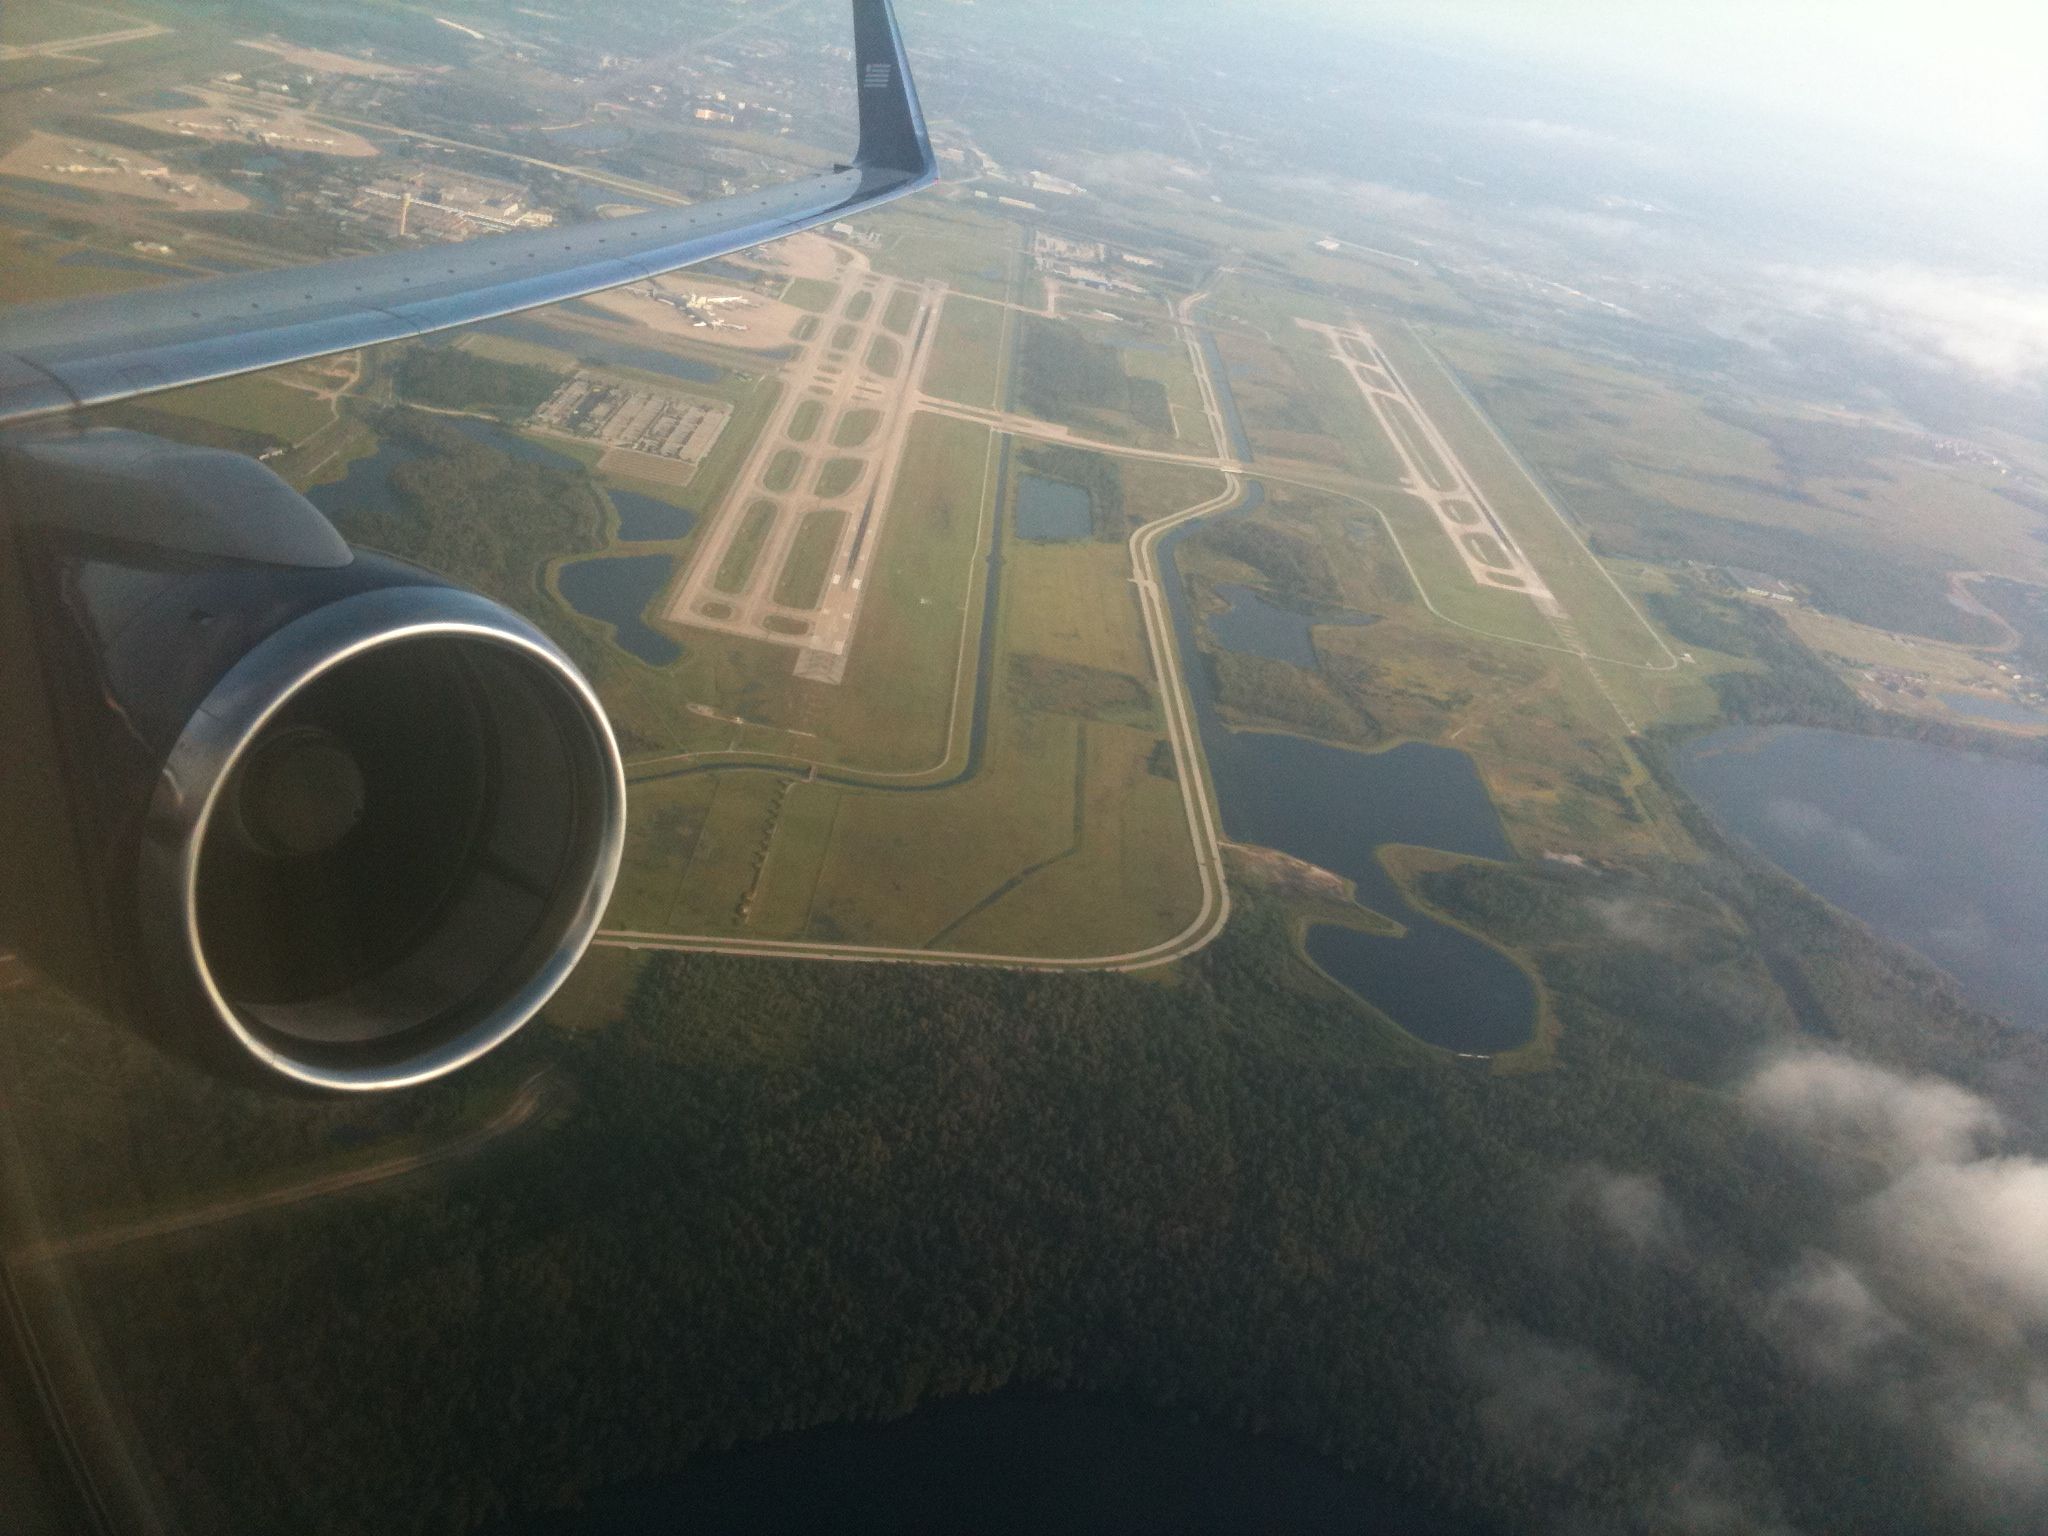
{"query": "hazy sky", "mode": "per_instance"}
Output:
(1960, 75)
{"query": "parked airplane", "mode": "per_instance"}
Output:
(363, 822)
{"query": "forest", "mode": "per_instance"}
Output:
(770, 1195)
(461, 381)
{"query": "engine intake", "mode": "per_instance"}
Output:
(362, 820)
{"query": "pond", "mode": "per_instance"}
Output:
(1254, 625)
(647, 520)
(1337, 808)
(1984, 706)
(618, 592)
(1052, 511)
(1943, 851)
(366, 488)
(601, 350)
(1014, 1461)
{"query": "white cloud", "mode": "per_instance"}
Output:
(1711, 1498)
(1629, 1208)
(1851, 844)
(1548, 1404)
(1967, 1241)
(1996, 330)
(1900, 1121)
(1933, 1310)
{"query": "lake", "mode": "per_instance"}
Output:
(366, 488)
(1254, 625)
(618, 592)
(1943, 851)
(647, 520)
(1052, 511)
(1336, 809)
(1980, 706)
(1014, 1461)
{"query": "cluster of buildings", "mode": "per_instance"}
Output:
(448, 205)
(647, 421)
(1088, 264)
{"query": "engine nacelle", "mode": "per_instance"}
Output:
(354, 819)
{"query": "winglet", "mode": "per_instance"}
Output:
(892, 131)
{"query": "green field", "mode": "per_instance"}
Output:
(803, 422)
(254, 403)
(1602, 615)
(782, 470)
(812, 294)
(737, 568)
(967, 353)
(802, 581)
(845, 337)
(838, 477)
(902, 310)
(855, 428)
(858, 306)
(885, 357)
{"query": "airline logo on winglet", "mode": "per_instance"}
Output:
(879, 77)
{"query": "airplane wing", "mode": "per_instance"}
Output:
(63, 356)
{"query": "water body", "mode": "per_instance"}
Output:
(618, 593)
(1018, 1462)
(1253, 625)
(1233, 423)
(643, 519)
(1052, 511)
(1980, 706)
(602, 350)
(1943, 851)
(366, 489)
(1336, 809)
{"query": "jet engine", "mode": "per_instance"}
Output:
(325, 811)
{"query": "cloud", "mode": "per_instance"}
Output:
(1574, 136)
(1711, 1498)
(1967, 1241)
(1546, 1404)
(1931, 1305)
(1993, 329)
(1628, 1208)
(1851, 845)
(1900, 1121)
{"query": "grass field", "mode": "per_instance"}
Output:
(968, 352)
(885, 357)
(737, 567)
(782, 470)
(838, 477)
(253, 403)
(855, 428)
(802, 581)
(902, 310)
(1599, 610)
(894, 712)
(845, 337)
(803, 422)
(812, 294)
(858, 306)
(965, 250)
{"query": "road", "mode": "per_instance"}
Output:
(525, 1105)
(67, 47)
